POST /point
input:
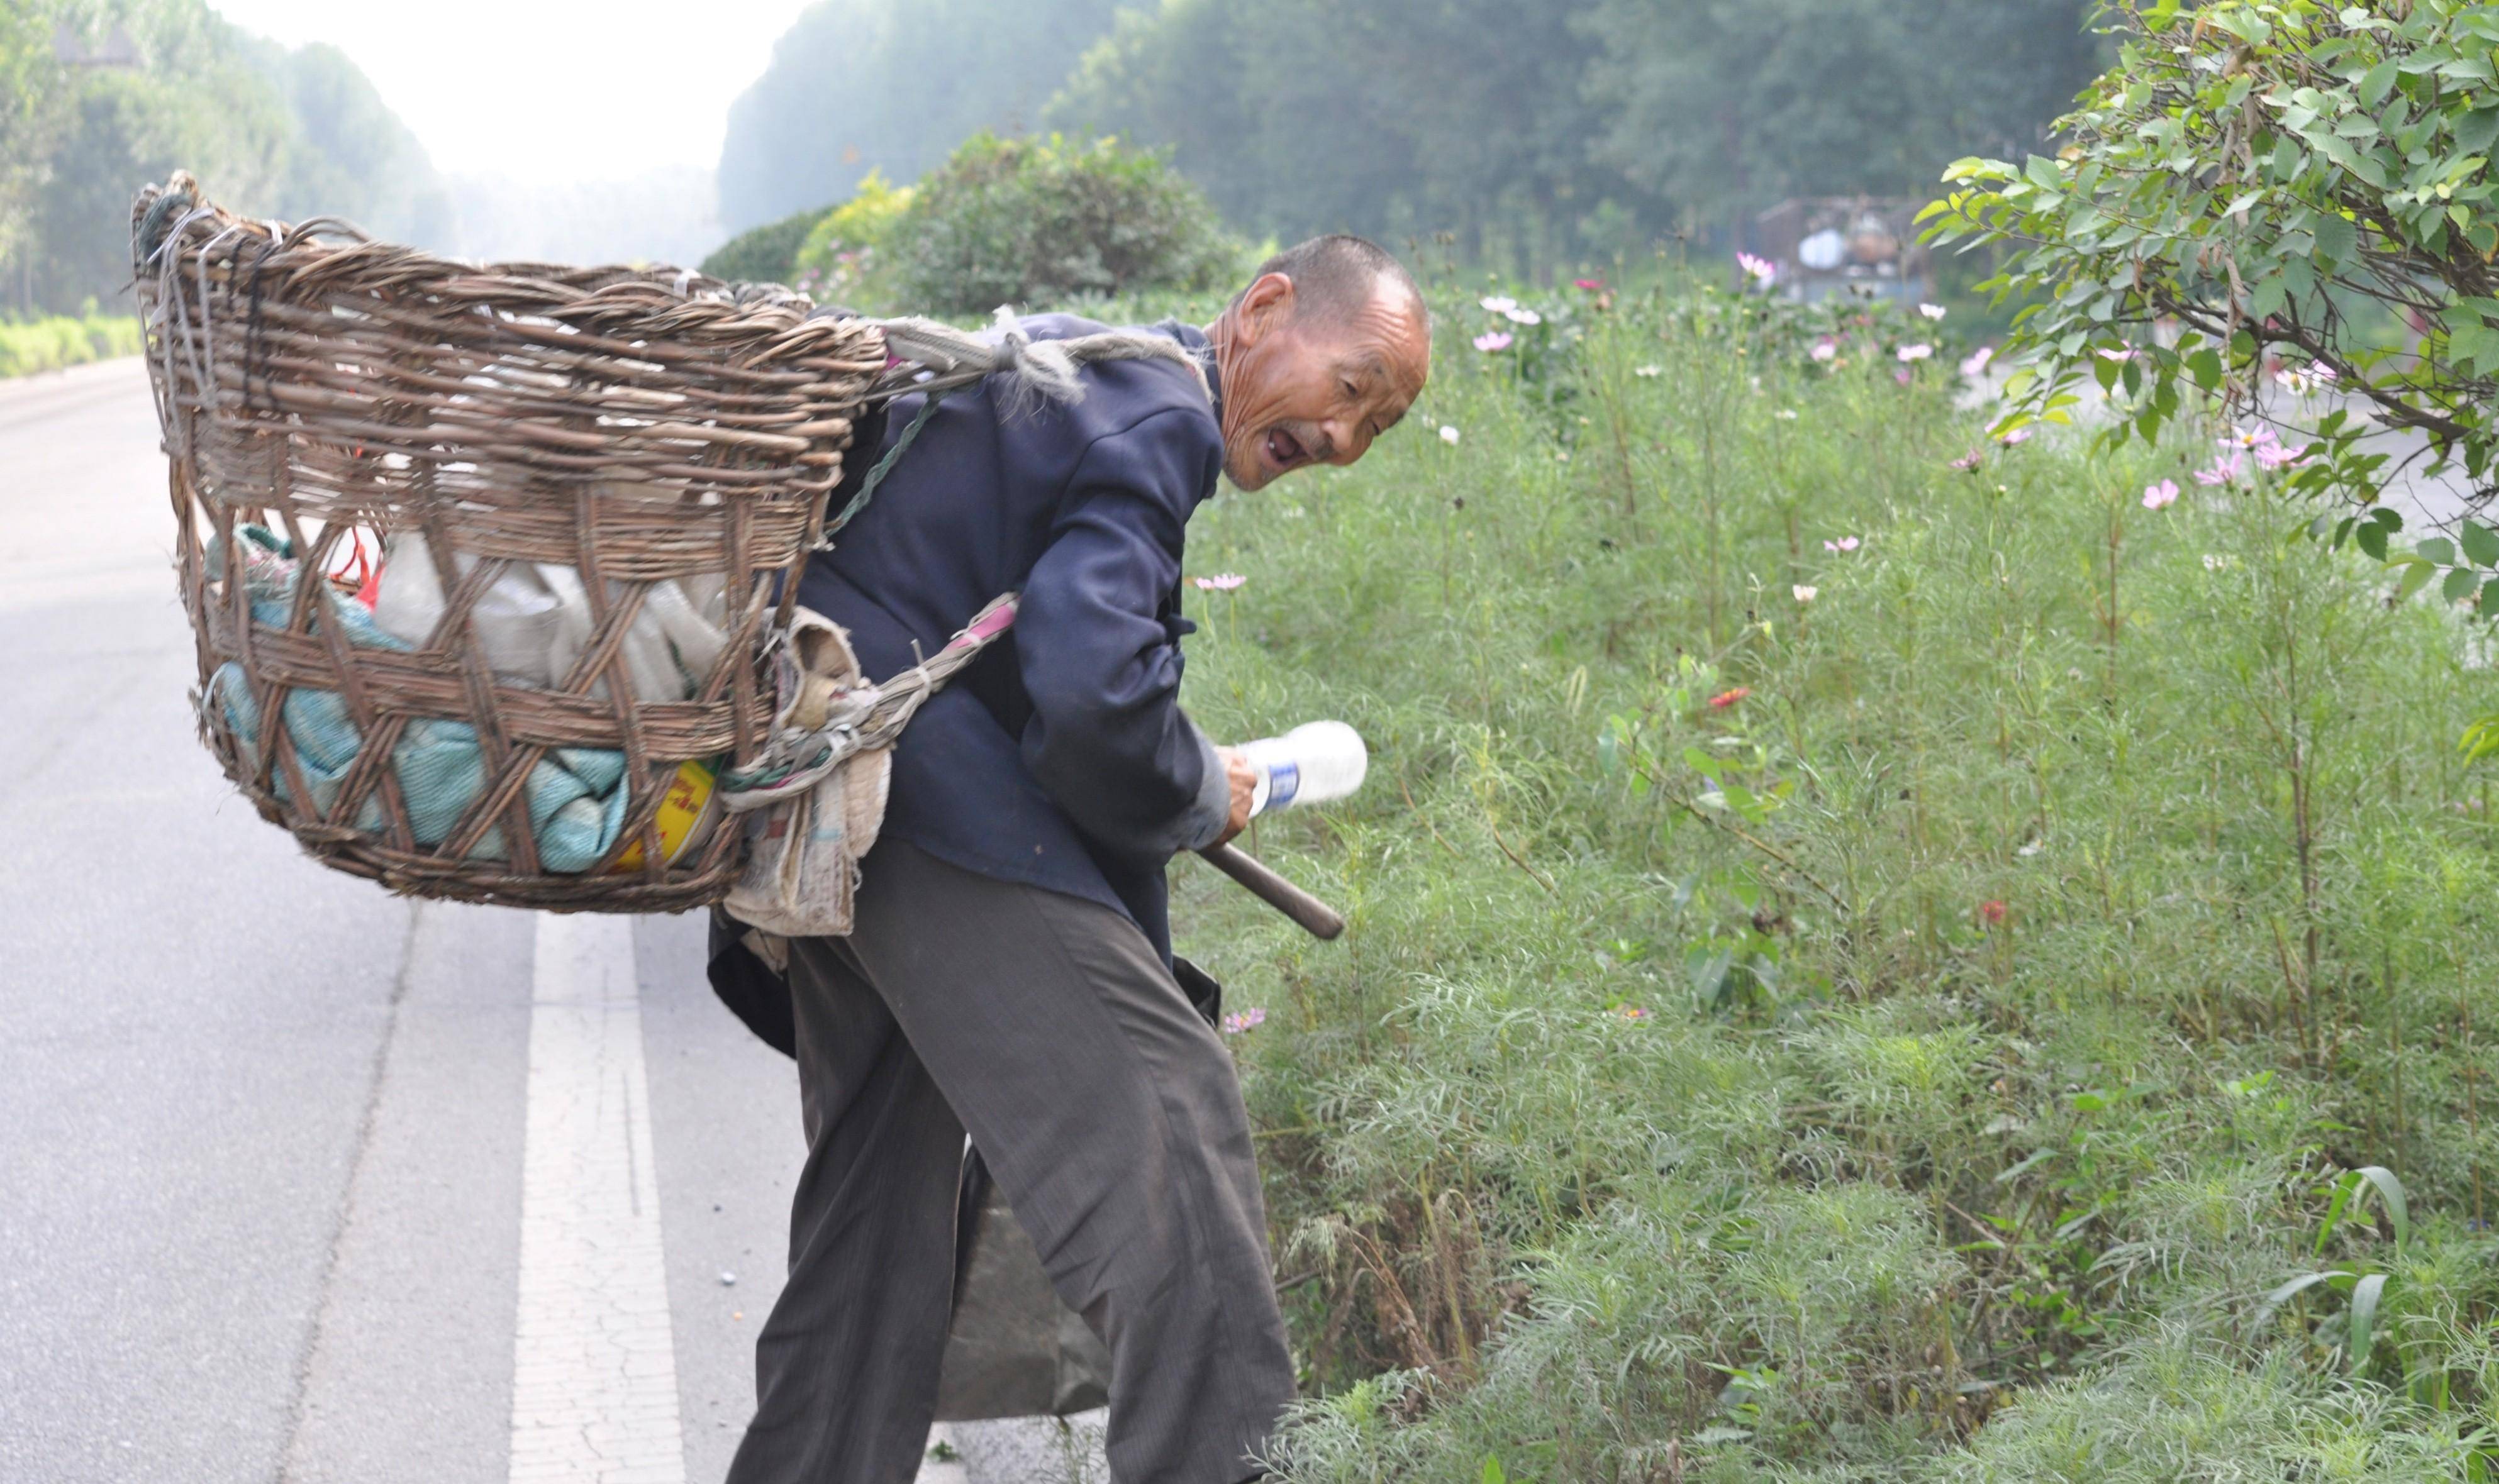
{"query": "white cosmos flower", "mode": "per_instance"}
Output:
(1518, 316)
(1932, 310)
(1648, 370)
(1448, 434)
(1498, 303)
(1804, 594)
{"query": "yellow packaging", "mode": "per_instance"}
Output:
(685, 820)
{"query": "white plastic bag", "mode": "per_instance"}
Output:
(535, 620)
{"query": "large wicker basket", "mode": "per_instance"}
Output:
(637, 428)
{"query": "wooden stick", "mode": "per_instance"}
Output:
(1315, 917)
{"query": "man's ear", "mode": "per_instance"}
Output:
(1265, 305)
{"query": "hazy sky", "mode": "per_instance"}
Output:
(546, 90)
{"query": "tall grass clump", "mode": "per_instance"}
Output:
(1875, 955)
(56, 341)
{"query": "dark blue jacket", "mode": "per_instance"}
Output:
(1060, 757)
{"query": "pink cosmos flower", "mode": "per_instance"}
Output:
(2161, 495)
(2225, 470)
(1758, 270)
(1843, 546)
(2272, 455)
(1492, 341)
(1904, 376)
(1969, 462)
(1220, 582)
(2018, 436)
(1976, 365)
(1824, 348)
(1592, 285)
(1245, 1022)
(1725, 698)
(1918, 352)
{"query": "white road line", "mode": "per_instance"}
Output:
(595, 1370)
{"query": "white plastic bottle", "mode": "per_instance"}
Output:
(1311, 764)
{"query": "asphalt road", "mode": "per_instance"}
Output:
(263, 1126)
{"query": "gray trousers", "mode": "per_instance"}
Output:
(1108, 1111)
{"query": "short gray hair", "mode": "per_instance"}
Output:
(1337, 273)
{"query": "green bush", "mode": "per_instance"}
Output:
(58, 341)
(1037, 222)
(846, 254)
(2273, 196)
(766, 254)
(1873, 951)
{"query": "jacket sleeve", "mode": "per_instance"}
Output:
(1107, 738)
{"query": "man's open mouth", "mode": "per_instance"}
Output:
(1285, 451)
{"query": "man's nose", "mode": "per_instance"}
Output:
(1346, 442)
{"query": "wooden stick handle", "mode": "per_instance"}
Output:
(1315, 917)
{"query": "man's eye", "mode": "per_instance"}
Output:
(1352, 393)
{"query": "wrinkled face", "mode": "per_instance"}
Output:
(1311, 388)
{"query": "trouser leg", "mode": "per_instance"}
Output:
(1109, 1113)
(846, 1367)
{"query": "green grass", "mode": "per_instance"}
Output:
(48, 344)
(1923, 1067)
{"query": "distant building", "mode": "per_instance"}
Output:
(1861, 245)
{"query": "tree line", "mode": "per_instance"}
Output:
(1532, 132)
(99, 96)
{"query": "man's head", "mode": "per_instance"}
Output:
(1325, 351)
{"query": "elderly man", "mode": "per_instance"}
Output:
(1009, 971)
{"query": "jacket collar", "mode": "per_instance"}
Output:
(1195, 340)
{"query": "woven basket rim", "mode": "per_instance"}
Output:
(520, 288)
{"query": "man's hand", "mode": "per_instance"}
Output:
(1244, 779)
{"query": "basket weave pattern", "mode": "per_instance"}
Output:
(637, 426)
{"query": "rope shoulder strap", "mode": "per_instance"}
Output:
(857, 717)
(1034, 373)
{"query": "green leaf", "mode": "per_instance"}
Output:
(2417, 577)
(2438, 549)
(2379, 81)
(1493, 1473)
(2390, 1190)
(2337, 238)
(2285, 1293)
(2458, 586)
(2475, 345)
(2479, 741)
(2476, 132)
(2355, 1184)
(2371, 537)
(2480, 543)
(2364, 1323)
